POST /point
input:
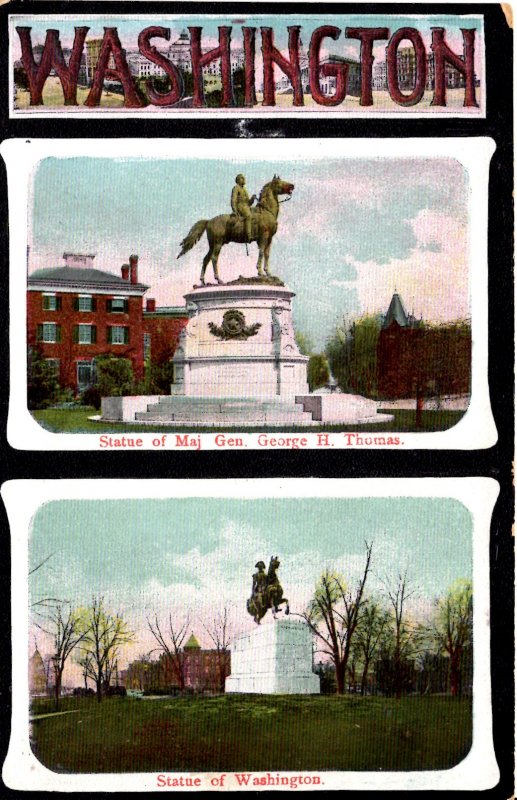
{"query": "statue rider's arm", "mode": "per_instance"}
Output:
(235, 195)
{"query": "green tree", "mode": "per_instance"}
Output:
(318, 371)
(352, 355)
(114, 376)
(67, 632)
(452, 629)
(104, 635)
(370, 636)
(42, 380)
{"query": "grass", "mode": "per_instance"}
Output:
(53, 96)
(255, 733)
(75, 420)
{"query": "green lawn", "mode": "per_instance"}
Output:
(255, 733)
(75, 420)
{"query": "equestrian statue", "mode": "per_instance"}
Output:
(245, 224)
(266, 591)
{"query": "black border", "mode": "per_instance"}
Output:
(494, 462)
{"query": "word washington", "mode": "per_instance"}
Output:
(112, 65)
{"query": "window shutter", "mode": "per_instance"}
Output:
(94, 304)
(58, 333)
(126, 335)
(93, 334)
(76, 304)
(58, 303)
(126, 306)
(39, 333)
(108, 306)
(108, 333)
(75, 334)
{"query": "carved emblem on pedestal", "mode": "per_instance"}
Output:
(234, 326)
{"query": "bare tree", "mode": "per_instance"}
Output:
(369, 636)
(106, 633)
(407, 635)
(334, 614)
(67, 632)
(219, 631)
(170, 644)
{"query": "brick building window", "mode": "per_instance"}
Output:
(84, 375)
(85, 334)
(85, 302)
(48, 332)
(117, 305)
(51, 302)
(118, 334)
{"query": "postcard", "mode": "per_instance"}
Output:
(219, 645)
(192, 294)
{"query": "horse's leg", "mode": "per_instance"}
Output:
(215, 255)
(206, 259)
(260, 244)
(267, 250)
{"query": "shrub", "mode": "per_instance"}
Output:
(114, 376)
(91, 397)
(42, 381)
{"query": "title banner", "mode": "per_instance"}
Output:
(263, 65)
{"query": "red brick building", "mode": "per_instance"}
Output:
(76, 312)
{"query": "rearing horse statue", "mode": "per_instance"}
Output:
(230, 228)
(266, 592)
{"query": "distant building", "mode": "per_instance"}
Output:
(38, 683)
(327, 83)
(406, 72)
(415, 359)
(141, 67)
(202, 670)
(93, 50)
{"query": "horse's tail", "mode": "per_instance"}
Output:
(193, 236)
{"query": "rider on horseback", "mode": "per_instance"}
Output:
(241, 203)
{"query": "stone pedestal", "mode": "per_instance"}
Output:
(273, 658)
(239, 342)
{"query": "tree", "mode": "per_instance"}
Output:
(352, 354)
(219, 632)
(452, 628)
(369, 636)
(105, 633)
(318, 372)
(114, 375)
(406, 637)
(172, 649)
(67, 633)
(334, 614)
(42, 380)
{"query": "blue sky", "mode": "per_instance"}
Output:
(160, 555)
(354, 231)
(130, 26)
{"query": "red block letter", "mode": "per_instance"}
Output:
(271, 55)
(111, 46)
(465, 65)
(367, 37)
(52, 58)
(149, 51)
(339, 71)
(393, 84)
(200, 60)
(249, 66)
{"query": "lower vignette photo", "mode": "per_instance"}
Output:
(236, 634)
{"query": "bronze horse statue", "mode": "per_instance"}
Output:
(266, 592)
(230, 228)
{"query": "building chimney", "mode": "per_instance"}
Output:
(84, 260)
(125, 272)
(150, 304)
(133, 269)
